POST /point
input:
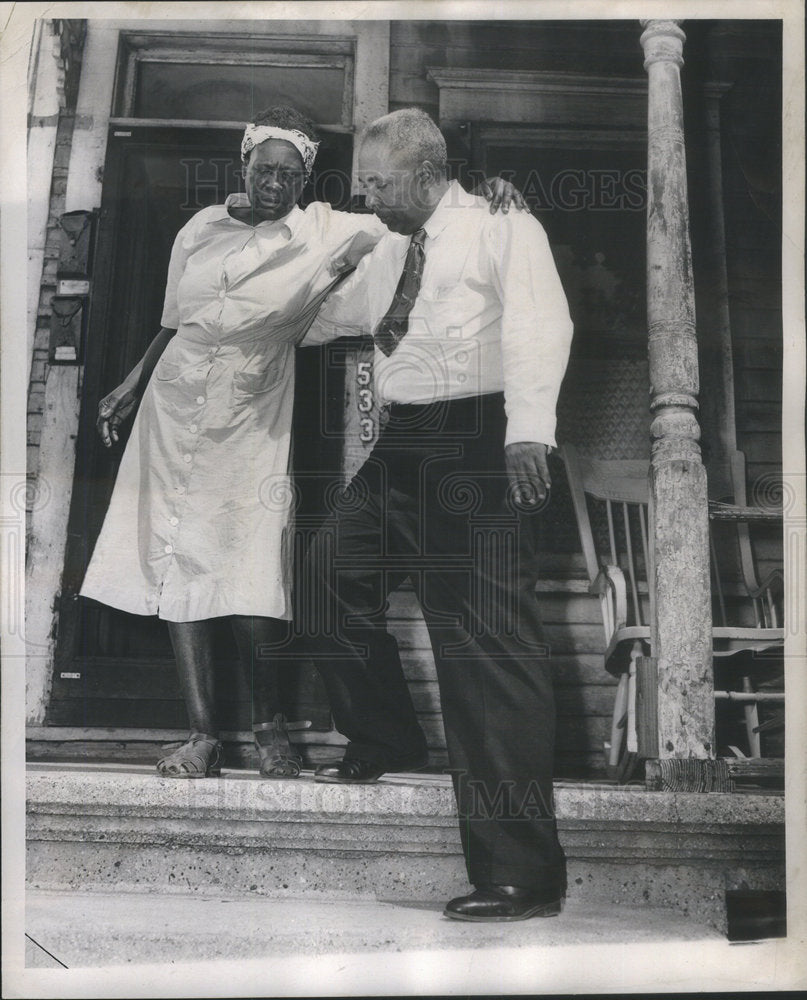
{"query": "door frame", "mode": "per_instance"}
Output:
(108, 239)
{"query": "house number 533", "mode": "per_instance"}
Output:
(364, 377)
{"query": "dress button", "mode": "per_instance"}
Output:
(200, 400)
(186, 458)
(174, 521)
(193, 428)
(222, 294)
(181, 490)
(168, 549)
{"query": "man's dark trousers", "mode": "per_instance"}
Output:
(432, 503)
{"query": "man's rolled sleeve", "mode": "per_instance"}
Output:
(536, 326)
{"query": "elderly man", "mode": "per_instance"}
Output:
(472, 335)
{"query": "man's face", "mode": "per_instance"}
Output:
(274, 178)
(393, 187)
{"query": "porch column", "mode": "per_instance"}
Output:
(681, 627)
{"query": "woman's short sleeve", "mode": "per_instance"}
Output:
(179, 256)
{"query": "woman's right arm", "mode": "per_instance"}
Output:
(118, 405)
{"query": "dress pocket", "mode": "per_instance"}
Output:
(249, 383)
(167, 371)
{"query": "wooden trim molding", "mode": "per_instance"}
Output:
(525, 135)
(106, 734)
(536, 96)
(197, 123)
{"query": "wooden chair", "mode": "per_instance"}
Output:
(610, 500)
(762, 599)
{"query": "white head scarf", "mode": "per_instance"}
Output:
(254, 135)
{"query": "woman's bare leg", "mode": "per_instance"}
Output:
(193, 649)
(261, 644)
(258, 639)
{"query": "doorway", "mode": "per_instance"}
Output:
(111, 668)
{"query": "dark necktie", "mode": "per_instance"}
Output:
(392, 328)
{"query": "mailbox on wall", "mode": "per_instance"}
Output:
(73, 285)
(75, 250)
(66, 330)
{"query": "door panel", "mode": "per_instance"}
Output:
(112, 668)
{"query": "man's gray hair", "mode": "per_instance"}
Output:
(410, 131)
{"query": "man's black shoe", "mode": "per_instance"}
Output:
(502, 902)
(355, 771)
(412, 762)
(349, 772)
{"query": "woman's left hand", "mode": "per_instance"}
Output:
(501, 194)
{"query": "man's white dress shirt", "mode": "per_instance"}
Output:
(491, 315)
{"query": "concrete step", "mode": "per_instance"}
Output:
(124, 828)
(85, 929)
(123, 945)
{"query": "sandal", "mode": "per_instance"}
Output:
(199, 757)
(279, 759)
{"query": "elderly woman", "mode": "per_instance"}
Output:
(199, 522)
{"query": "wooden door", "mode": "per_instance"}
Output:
(112, 668)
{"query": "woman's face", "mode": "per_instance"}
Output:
(274, 177)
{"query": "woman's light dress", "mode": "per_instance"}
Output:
(200, 518)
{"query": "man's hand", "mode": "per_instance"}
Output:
(501, 194)
(113, 410)
(528, 473)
